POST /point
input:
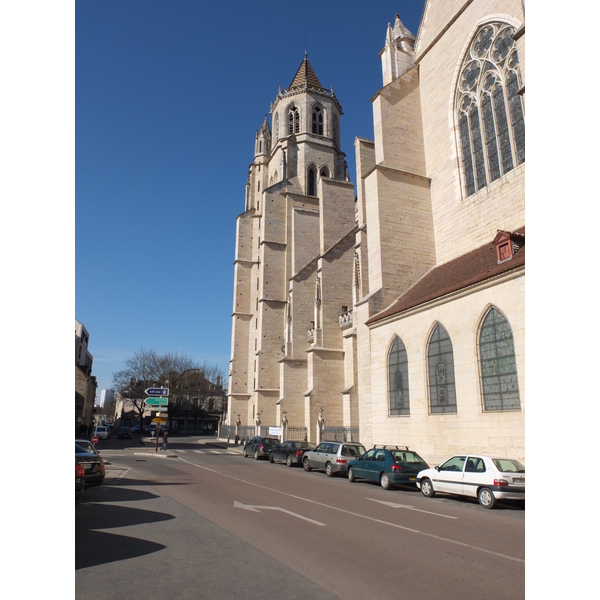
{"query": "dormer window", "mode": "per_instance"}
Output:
(507, 244)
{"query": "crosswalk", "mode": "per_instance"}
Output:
(180, 451)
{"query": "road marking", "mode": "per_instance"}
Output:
(259, 508)
(361, 516)
(396, 505)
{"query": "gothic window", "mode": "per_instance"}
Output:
(317, 120)
(440, 359)
(490, 125)
(293, 120)
(499, 381)
(312, 182)
(398, 379)
(276, 127)
(324, 172)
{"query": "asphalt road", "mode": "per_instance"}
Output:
(201, 521)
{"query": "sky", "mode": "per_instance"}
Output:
(168, 99)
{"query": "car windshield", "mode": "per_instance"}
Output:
(271, 442)
(307, 445)
(79, 449)
(508, 465)
(353, 450)
(406, 456)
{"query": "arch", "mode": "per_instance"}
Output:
(293, 119)
(324, 172)
(488, 111)
(440, 370)
(311, 180)
(398, 391)
(497, 363)
(318, 116)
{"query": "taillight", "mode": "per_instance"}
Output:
(341, 460)
(396, 468)
(298, 452)
(79, 471)
(101, 468)
(500, 482)
(261, 447)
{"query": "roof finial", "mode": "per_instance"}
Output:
(305, 46)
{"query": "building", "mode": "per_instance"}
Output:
(107, 396)
(85, 382)
(414, 295)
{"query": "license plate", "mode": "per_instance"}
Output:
(518, 479)
(412, 478)
(86, 466)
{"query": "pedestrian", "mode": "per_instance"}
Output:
(165, 439)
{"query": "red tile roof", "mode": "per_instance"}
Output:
(466, 270)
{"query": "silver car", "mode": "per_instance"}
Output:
(332, 457)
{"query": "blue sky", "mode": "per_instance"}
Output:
(169, 96)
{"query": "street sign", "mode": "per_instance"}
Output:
(160, 408)
(159, 420)
(94, 440)
(157, 391)
(157, 401)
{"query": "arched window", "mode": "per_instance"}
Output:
(499, 381)
(276, 127)
(440, 359)
(398, 379)
(312, 182)
(293, 120)
(324, 172)
(489, 111)
(317, 120)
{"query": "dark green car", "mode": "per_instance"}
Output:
(387, 465)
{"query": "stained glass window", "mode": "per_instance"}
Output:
(440, 358)
(490, 122)
(398, 379)
(499, 381)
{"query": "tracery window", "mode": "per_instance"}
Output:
(293, 120)
(489, 111)
(398, 379)
(317, 120)
(440, 359)
(499, 381)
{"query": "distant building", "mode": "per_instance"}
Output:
(107, 396)
(85, 382)
(397, 316)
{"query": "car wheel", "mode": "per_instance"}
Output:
(271, 459)
(328, 470)
(306, 464)
(245, 453)
(288, 461)
(351, 476)
(486, 497)
(427, 488)
(385, 481)
(256, 455)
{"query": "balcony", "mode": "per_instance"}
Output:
(346, 319)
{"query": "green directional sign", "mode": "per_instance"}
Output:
(159, 401)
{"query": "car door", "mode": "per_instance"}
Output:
(376, 465)
(362, 465)
(317, 458)
(475, 475)
(450, 475)
(282, 451)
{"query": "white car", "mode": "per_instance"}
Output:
(102, 432)
(483, 477)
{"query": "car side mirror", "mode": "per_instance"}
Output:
(437, 468)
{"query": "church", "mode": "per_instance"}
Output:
(392, 312)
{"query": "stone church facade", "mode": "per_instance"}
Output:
(397, 310)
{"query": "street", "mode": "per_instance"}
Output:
(201, 521)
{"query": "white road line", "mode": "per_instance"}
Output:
(396, 505)
(253, 508)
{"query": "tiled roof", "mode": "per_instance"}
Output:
(305, 77)
(466, 270)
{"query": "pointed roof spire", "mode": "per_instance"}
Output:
(400, 31)
(305, 76)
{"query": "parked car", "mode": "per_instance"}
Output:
(388, 465)
(483, 477)
(79, 481)
(259, 446)
(124, 432)
(332, 457)
(87, 445)
(290, 452)
(102, 432)
(93, 465)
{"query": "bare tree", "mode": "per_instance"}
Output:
(193, 387)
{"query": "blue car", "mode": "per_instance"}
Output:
(387, 465)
